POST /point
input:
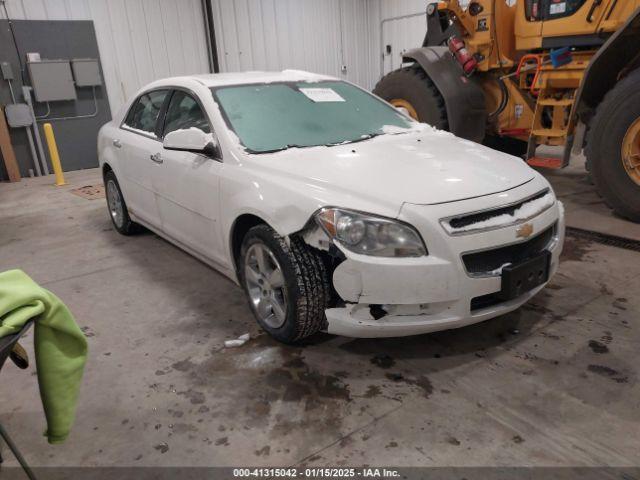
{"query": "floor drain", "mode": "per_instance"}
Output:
(605, 239)
(90, 192)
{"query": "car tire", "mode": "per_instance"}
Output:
(618, 112)
(117, 207)
(413, 86)
(289, 306)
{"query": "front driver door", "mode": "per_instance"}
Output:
(187, 185)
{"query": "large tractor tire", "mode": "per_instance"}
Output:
(509, 145)
(412, 89)
(613, 147)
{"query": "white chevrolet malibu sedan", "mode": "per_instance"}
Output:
(332, 209)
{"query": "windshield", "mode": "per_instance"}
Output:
(276, 116)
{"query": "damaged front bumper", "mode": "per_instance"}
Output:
(356, 320)
(390, 297)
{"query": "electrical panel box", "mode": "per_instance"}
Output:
(7, 71)
(86, 72)
(51, 80)
(18, 115)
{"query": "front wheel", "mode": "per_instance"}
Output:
(613, 147)
(286, 284)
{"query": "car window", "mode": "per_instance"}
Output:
(276, 116)
(532, 10)
(144, 113)
(184, 112)
(563, 8)
(539, 10)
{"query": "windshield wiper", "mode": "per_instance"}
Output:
(368, 136)
(279, 149)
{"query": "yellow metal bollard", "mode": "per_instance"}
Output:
(53, 153)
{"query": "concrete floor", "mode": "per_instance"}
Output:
(554, 383)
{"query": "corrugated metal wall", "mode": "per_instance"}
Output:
(316, 35)
(139, 40)
(401, 34)
(142, 40)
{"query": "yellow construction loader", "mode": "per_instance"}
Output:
(520, 74)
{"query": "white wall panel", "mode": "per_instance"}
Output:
(316, 35)
(134, 15)
(157, 40)
(401, 33)
(33, 9)
(77, 9)
(139, 40)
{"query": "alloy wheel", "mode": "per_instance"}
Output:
(264, 280)
(114, 201)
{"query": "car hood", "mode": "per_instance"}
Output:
(425, 167)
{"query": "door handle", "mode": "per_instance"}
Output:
(156, 157)
(117, 144)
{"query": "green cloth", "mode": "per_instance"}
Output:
(60, 346)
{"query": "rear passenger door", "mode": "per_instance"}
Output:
(187, 184)
(139, 141)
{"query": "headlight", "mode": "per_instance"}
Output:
(370, 235)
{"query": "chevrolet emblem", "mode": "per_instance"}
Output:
(524, 231)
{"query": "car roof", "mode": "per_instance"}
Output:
(243, 78)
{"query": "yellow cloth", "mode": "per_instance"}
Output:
(60, 346)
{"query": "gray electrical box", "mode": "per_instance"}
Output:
(18, 115)
(7, 71)
(51, 80)
(86, 72)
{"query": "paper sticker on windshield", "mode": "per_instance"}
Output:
(557, 7)
(322, 94)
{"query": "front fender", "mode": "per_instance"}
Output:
(464, 99)
(286, 205)
(284, 216)
(283, 209)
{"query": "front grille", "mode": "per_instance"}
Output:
(466, 220)
(488, 261)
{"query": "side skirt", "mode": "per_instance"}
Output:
(217, 266)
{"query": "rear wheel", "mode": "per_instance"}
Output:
(412, 89)
(613, 148)
(118, 207)
(286, 283)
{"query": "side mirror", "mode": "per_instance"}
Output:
(192, 140)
